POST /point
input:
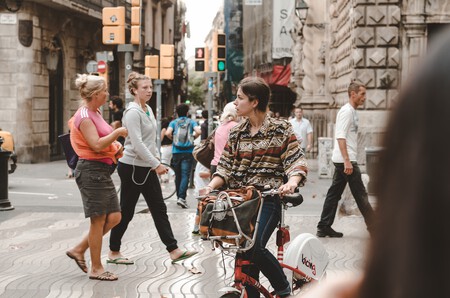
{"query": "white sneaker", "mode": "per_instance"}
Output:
(182, 203)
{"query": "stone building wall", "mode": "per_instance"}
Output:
(24, 87)
(26, 83)
(365, 45)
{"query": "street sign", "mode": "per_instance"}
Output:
(210, 84)
(91, 66)
(101, 66)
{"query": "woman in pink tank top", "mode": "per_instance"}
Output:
(95, 143)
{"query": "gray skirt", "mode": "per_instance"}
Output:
(96, 188)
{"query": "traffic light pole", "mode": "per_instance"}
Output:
(209, 76)
(128, 49)
(158, 84)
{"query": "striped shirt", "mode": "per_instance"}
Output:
(269, 157)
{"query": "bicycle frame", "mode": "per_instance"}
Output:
(241, 279)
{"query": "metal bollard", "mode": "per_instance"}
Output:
(5, 204)
(372, 157)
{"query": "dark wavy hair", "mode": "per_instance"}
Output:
(256, 88)
(408, 254)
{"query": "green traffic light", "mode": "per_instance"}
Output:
(221, 66)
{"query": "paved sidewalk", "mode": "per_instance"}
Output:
(34, 263)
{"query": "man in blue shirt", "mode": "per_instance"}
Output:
(182, 130)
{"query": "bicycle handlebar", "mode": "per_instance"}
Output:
(291, 200)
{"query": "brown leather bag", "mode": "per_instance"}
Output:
(216, 218)
(204, 152)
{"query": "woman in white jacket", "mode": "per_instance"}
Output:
(138, 170)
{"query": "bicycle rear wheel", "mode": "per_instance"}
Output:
(167, 182)
(309, 256)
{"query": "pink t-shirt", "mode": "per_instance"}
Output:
(220, 140)
(103, 128)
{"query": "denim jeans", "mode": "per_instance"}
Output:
(264, 260)
(129, 195)
(340, 180)
(182, 165)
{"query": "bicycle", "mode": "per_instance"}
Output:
(305, 260)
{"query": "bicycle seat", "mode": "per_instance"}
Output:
(293, 200)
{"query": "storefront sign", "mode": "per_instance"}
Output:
(283, 14)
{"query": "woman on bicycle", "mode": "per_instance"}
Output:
(261, 151)
(138, 170)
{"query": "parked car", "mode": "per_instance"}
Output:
(8, 145)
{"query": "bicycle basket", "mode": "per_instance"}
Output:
(217, 218)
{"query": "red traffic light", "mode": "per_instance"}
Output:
(199, 53)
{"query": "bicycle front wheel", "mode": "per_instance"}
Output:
(167, 182)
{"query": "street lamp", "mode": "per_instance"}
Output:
(11, 5)
(301, 10)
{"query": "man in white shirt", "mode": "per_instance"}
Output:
(302, 129)
(346, 167)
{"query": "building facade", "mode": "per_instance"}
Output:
(44, 44)
(375, 41)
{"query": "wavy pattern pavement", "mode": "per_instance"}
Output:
(34, 263)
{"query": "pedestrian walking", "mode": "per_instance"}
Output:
(228, 119)
(116, 108)
(260, 151)
(182, 131)
(138, 170)
(346, 167)
(303, 129)
(166, 143)
(94, 141)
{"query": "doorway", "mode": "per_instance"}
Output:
(56, 105)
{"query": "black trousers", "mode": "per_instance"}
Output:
(129, 195)
(340, 180)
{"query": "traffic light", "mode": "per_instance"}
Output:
(113, 19)
(166, 71)
(152, 66)
(219, 52)
(202, 59)
(135, 22)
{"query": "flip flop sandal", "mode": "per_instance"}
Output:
(105, 276)
(120, 261)
(80, 263)
(185, 255)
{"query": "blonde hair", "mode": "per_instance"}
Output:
(133, 79)
(229, 112)
(88, 85)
